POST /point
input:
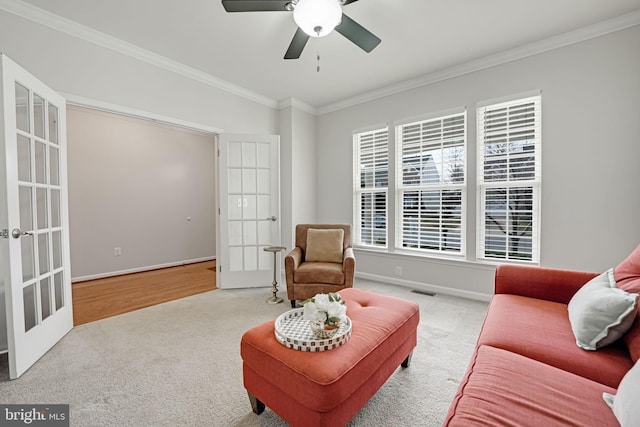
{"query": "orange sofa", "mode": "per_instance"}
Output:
(527, 369)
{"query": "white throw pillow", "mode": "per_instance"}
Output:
(600, 313)
(625, 402)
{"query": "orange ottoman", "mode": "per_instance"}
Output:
(328, 388)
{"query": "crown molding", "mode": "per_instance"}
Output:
(296, 103)
(108, 107)
(74, 29)
(585, 33)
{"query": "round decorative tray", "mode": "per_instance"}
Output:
(292, 331)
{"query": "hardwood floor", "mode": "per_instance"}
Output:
(102, 298)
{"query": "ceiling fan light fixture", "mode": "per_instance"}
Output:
(317, 18)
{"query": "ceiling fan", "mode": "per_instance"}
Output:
(315, 18)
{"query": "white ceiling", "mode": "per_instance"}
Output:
(419, 37)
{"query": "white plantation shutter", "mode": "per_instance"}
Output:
(431, 184)
(371, 181)
(509, 139)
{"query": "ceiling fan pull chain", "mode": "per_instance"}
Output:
(318, 67)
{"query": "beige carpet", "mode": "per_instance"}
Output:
(178, 364)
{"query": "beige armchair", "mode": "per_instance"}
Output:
(322, 261)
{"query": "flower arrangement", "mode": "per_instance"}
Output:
(325, 312)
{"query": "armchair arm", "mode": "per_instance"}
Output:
(538, 282)
(291, 263)
(349, 266)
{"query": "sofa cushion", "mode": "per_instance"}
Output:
(506, 389)
(540, 330)
(600, 313)
(324, 245)
(319, 272)
(627, 273)
(625, 402)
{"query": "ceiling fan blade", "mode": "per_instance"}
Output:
(346, 2)
(300, 39)
(359, 35)
(255, 5)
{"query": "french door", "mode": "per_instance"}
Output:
(249, 203)
(34, 240)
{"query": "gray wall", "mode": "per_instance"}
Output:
(590, 156)
(144, 187)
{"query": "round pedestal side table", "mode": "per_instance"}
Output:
(274, 285)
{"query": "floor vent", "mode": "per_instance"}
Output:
(421, 292)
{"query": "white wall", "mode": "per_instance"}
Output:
(298, 171)
(144, 187)
(590, 156)
(74, 66)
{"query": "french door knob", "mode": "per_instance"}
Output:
(16, 233)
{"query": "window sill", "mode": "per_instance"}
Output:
(460, 261)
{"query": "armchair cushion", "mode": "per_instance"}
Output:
(319, 272)
(324, 245)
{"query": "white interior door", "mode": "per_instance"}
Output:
(249, 216)
(34, 247)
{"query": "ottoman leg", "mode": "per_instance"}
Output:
(407, 361)
(256, 405)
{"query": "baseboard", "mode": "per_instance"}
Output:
(426, 287)
(140, 269)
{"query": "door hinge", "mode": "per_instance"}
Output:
(220, 267)
(218, 211)
(4, 233)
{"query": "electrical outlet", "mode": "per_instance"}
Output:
(398, 270)
(117, 251)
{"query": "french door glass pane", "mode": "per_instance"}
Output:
(26, 208)
(55, 208)
(41, 208)
(235, 258)
(248, 155)
(264, 155)
(56, 247)
(24, 158)
(235, 233)
(249, 181)
(53, 123)
(235, 181)
(38, 116)
(235, 206)
(43, 253)
(29, 300)
(264, 181)
(28, 258)
(41, 178)
(59, 290)
(249, 207)
(54, 166)
(235, 155)
(22, 108)
(250, 232)
(250, 258)
(45, 297)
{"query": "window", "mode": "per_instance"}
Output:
(371, 155)
(431, 184)
(509, 137)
